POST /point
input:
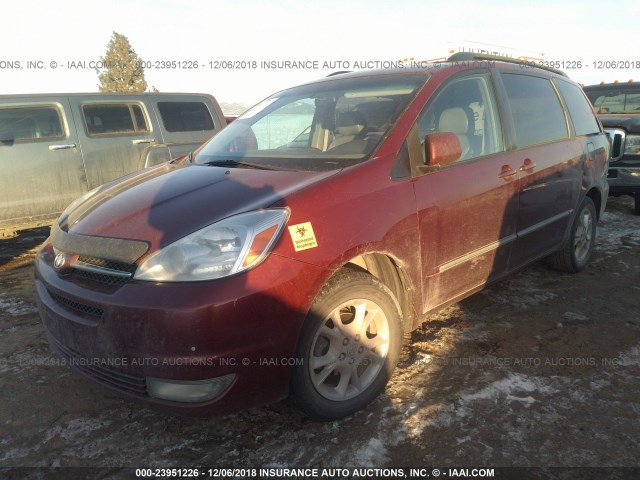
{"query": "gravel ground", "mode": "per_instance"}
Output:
(542, 369)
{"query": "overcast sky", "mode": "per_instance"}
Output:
(303, 30)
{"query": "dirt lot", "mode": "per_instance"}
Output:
(542, 369)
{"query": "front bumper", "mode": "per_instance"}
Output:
(246, 325)
(623, 179)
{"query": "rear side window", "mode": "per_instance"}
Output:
(185, 116)
(24, 124)
(582, 117)
(114, 119)
(615, 99)
(537, 114)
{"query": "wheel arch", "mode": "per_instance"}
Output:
(595, 196)
(390, 272)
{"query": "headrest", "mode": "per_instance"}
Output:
(454, 120)
(350, 123)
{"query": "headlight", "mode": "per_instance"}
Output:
(230, 246)
(632, 145)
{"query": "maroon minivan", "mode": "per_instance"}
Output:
(289, 254)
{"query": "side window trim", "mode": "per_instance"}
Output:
(571, 132)
(59, 111)
(414, 141)
(137, 128)
(499, 109)
(509, 120)
(134, 121)
(574, 133)
(164, 109)
(509, 137)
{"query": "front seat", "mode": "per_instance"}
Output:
(348, 126)
(455, 120)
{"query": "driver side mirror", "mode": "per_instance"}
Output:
(441, 149)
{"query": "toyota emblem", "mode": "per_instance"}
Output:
(59, 261)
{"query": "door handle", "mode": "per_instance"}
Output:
(61, 147)
(143, 140)
(528, 166)
(507, 172)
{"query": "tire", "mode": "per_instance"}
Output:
(349, 345)
(636, 203)
(576, 251)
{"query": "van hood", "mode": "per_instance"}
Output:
(165, 203)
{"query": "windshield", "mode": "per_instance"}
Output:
(615, 100)
(323, 126)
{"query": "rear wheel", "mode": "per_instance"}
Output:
(350, 344)
(577, 250)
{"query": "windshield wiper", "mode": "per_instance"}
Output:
(238, 164)
(221, 163)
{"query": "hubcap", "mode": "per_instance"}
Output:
(584, 235)
(349, 349)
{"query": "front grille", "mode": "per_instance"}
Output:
(101, 262)
(99, 275)
(83, 275)
(96, 369)
(78, 307)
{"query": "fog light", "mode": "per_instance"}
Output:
(188, 390)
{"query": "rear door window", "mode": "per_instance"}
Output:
(26, 124)
(185, 116)
(538, 116)
(582, 117)
(114, 119)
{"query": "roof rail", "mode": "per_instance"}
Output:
(469, 56)
(339, 73)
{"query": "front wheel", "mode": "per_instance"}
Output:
(577, 250)
(350, 344)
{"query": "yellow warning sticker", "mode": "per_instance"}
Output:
(302, 236)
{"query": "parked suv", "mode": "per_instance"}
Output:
(56, 147)
(618, 108)
(289, 254)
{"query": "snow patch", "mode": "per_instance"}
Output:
(575, 316)
(616, 232)
(529, 400)
(372, 453)
(14, 453)
(509, 388)
(599, 384)
(631, 358)
(74, 428)
(15, 306)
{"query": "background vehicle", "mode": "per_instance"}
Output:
(618, 108)
(56, 147)
(322, 225)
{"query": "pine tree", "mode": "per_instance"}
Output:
(123, 71)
